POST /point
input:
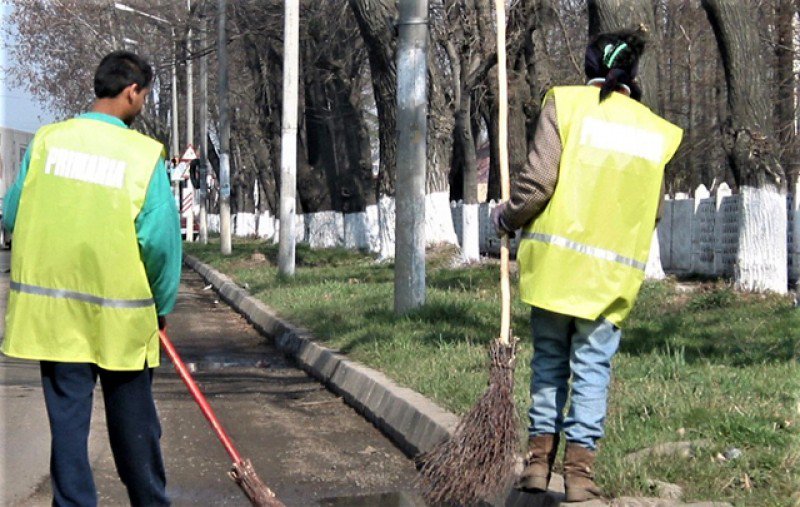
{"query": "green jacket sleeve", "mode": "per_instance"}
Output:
(159, 234)
(11, 199)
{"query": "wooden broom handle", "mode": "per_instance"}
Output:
(505, 182)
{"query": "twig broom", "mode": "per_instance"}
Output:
(242, 471)
(476, 463)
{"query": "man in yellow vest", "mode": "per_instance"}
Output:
(587, 201)
(95, 267)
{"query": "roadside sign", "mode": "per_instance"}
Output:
(180, 172)
(189, 154)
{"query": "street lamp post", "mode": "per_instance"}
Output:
(224, 134)
(412, 128)
(189, 125)
(203, 194)
(286, 247)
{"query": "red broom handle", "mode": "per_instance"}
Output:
(198, 396)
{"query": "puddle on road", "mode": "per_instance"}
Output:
(214, 364)
(393, 499)
(203, 496)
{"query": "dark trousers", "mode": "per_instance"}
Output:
(133, 429)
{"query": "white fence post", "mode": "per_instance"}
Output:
(664, 231)
(793, 233)
(681, 245)
(726, 233)
(703, 232)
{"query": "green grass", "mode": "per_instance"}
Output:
(710, 364)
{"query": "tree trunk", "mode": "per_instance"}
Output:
(523, 108)
(750, 145)
(376, 22)
(470, 228)
(317, 187)
(785, 109)
(358, 190)
(441, 122)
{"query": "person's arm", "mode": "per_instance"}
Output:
(13, 195)
(536, 181)
(159, 233)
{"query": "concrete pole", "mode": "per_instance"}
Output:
(203, 196)
(174, 92)
(412, 131)
(291, 69)
(224, 135)
(189, 124)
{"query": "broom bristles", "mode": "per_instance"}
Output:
(248, 481)
(477, 462)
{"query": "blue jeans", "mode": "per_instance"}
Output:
(133, 430)
(565, 346)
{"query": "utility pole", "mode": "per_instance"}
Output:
(203, 195)
(174, 90)
(412, 131)
(224, 136)
(189, 121)
(291, 69)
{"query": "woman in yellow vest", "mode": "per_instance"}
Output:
(587, 201)
(95, 267)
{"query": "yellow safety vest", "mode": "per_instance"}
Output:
(79, 291)
(585, 254)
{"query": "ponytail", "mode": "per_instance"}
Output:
(613, 79)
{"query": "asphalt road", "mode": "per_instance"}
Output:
(305, 443)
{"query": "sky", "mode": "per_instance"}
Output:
(18, 110)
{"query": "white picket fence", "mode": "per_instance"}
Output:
(700, 234)
(328, 229)
(697, 235)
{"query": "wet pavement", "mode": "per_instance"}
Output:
(304, 442)
(24, 440)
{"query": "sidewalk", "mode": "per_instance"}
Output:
(305, 443)
(23, 422)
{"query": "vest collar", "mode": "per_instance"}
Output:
(598, 82)
(107, 118)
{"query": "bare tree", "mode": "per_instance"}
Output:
(751, 148)
(56, 65)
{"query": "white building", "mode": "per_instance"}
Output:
(13, 144)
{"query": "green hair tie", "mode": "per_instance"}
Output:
(610, 54)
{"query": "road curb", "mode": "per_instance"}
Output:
(413, 422)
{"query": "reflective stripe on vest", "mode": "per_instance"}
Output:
(78, 296)
(600, 253)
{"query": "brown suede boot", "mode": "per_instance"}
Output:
(579, 474)
(542, 451)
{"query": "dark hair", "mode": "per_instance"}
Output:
(615, 56)
(117, 71)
